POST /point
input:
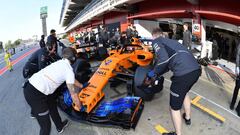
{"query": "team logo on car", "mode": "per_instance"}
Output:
(108, 62)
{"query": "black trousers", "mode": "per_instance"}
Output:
(180, 87)
(42, 107)
(235, 94)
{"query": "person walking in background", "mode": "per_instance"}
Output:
(42, 42)
(187, 36)
(7, 59)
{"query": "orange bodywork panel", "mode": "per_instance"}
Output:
(91, 95)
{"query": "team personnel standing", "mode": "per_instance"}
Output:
(104, 37)
(117, 36)
(42, 42)
(170, 55)
(7, 59)
(187, 36)
(134, 32)
(45, 82)
(237, 85)
(129, 34)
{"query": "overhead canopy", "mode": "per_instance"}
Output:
(70, 9)
(97, 9)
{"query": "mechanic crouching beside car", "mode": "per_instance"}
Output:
(39, 91)
(40, 59)
(171, 55)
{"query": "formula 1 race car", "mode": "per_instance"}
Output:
(129, 64)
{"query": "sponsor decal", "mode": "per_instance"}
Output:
(108, 62)
(103, 73)
(107, 69)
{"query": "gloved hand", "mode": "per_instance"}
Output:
(151, 74)
(84, 85)
(149, 78)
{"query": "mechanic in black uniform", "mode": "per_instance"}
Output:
(171, 55)
(42, 42)
(40, 59)
(237, 86)
(52, 37)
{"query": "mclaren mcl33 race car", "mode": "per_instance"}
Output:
(128, 64)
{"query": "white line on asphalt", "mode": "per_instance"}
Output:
(210, 101)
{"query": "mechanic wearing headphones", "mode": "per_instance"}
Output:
(171, 55)
(40, 59)
(45, 82)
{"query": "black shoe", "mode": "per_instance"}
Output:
(171, 133)
(187, 121)
(65, 124)
(231, 107)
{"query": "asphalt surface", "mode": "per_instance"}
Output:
(15, 112)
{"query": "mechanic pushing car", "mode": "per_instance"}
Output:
(39, 92)
(171, 55)
(40, 59)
